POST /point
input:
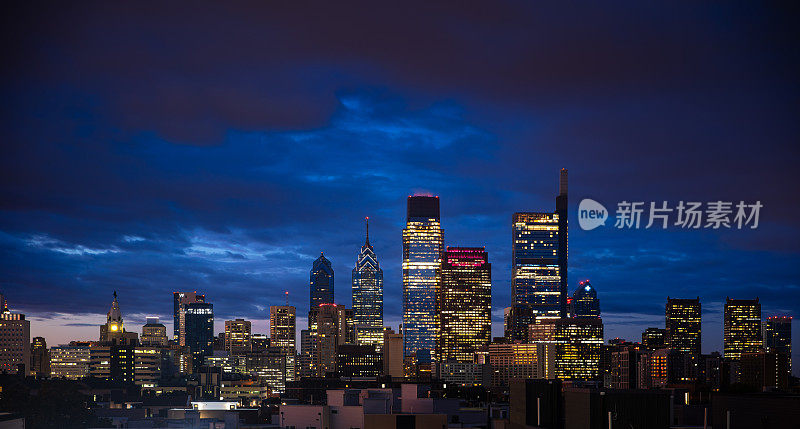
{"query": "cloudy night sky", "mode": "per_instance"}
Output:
(152, 148)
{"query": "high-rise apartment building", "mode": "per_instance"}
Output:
(539, 265)
(778, 336)
(742, 333)
(423, 245)
(464, 304)
(368, 296)
(178, 299)
(683, 325)
(282, 334)
(237, 336)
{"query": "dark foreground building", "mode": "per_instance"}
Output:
(548, 404)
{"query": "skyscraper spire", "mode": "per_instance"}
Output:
(366, 219)
(562, 182)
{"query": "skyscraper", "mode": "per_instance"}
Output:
(464, 304)
(683, 325)
(334, 328)
(15, 341)
(197, 330)
(40, 357)
(282, 333)
(179, 298)
(539, 264)
(321, 282)
(578, 344)
(423, 242)
(742, 332)
(562, 207)
(237, 336)
(778, 336)
(584, 301)
(368, 296)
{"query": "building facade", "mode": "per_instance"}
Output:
(237, 336)
(578, 343)
(392, 353)
(423, 245)
(197, 330)
(40, 357)
(69, 361)
(584, 301)
(334, 328)
(654, 338)
(154, 333)
(539, 253)
(778, 336)
(464, 304)
(15, 341)
(368, 296)
(683, 325)
(358, 361)
(742, 333)
(321, 284)
(178, 299)
(283, 334)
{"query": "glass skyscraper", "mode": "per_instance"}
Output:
(539, 264)
(778, 336)
(178, 299)
(321, 283)
(584, 301)
(742, 332)
(423, 242)
(197, 330)
(368, 296)
(464, 304)
(683, 325)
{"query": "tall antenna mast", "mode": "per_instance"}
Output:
(366, 219)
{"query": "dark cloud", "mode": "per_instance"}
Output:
(221, 148)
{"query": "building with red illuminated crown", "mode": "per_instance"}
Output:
(464, 304)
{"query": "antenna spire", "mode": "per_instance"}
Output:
(366, 220)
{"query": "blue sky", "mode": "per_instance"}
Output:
(221, 149)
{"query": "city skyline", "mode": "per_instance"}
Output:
(224, 321)
(149, 168)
